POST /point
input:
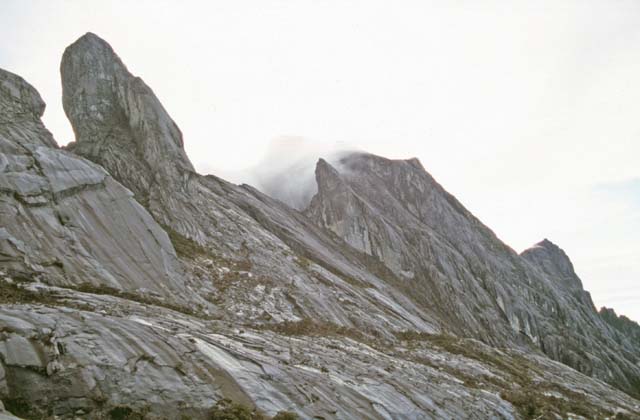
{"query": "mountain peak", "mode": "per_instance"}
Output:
(327, 177)
(554, 262)
(117, 118)
(17, 97)
(21, 108)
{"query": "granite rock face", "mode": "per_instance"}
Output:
(385, 299)
(395, 211)
(276, 264)
(625, 328)
(552, 260)
(95, 356)
(65, 220)
(114, 113)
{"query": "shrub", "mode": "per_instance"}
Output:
(286, 415)
(125, 413)
(226, 409)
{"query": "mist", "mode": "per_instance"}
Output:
(287, 171)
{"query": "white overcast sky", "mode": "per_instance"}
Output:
(527, 111)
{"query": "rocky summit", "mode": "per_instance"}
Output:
(134, 287)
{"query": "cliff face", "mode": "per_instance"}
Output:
(116, 116)
(65, 219)
(394, 210)
(294, 269)
(384, 299)
(625, 328)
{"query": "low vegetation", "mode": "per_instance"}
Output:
(228, 410)
(147, 300)
(185, 247)
(309, 327)
(14, 293)
(517, 379)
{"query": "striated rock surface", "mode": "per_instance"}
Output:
(64, 219)
(548, 257)
(395, 211)
(252, 257)
(115, 114)
(70, 354)
(207, 290)
(625, 328)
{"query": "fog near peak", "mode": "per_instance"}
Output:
(287, 171)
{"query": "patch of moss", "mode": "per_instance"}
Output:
(226, 409)
(147, 300)
(125, 413)
(303, 262)
(309, 327)
(18, 406)
(286, 415)
(534, 403)
(185, 247)
(15, 293)
(515, 366)
(532, 399)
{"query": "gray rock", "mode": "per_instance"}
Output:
(64, 219)
(394, 210)
(280, 266)
(151, 360)
(114, 113)
(335, 313)
(554, 262)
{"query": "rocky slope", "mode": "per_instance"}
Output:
(207, 290)
(65, 219)
(395, 210)
(626, 329)
(287, 268)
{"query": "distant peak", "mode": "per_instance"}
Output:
(548, 245)
(90, 38)
(18, 97)
(604, 311)
(323, 165)
(327, 177)
(553, 260)
(363, 161)
(92, 48)
(415, 162)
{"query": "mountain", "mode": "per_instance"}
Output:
(65, 217)
(394, 210)
(134, 287)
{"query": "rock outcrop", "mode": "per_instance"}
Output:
(394, 210)
(626, 329)
(553, 261)
(65, 220)
(384, 299)
(95, 356)
(115, 114)
(282, 266)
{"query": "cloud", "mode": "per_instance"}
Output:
(287, 172)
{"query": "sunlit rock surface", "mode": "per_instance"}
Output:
(385, 299)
